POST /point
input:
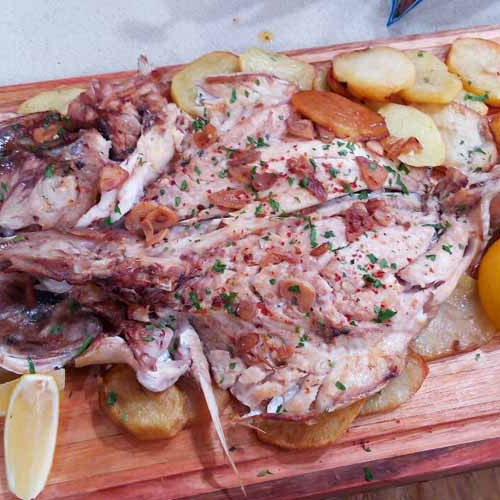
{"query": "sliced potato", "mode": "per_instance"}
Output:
(320, 81)
(405, 122)
(433, 82)
(345, 118)
(468, 141)
(301, 435)
(256, 60)
(147, 415)
(477, 63)
(184, 91)
(50, 100)
(374, 73)
(400, 389)
(460, 325)
(472, 101)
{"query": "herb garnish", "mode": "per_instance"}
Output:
(49, 171)
(340, 386)
(85, 345)
(368, 474)
(194, 300)
(383, 314)
(111, 398)
(218, 267)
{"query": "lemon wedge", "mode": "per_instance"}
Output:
(30, 434)
(7, 387)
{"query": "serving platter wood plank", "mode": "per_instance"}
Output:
(451, 425)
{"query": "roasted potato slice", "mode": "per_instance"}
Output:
(433, 82)
(468, 141)
(256, 60)
(147, 415)
(477, 63)
(400, 389)
(460, 325)
(51, 100)
(301, 435)
(345, 118)
(404, 122)
(184, 92)
(374, 73)
(472, 101)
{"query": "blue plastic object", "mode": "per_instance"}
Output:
(401, 8)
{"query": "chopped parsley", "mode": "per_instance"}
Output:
(294, 288)
(312, 236)
(228, 299)
(264, 472)
(31, 366)
(117, 209)
(184, 185)
(447, 248)
(258, 209)
(313, 163)
(431, 256)
(197, 170)
(272, 281)
(372, 258)
(233, 97)
(290, 181)
(177, 201)
(347, 188)
(85, 345)
(302, 341)
(376, 283)
(274, 205)
(107, 221)
(333, 172)
(55, 329)
(232, 366)
(218, 267)
(148, 338)
(340, 386)
(368, 474)
(478, 98)
(199, 124)
(304, 182)
(111, 398)
(194, 300)
(329, 234)
(49, 171)
(222, 174)
(420, 54)
(383, 314)
(439, 228)
(258, 143)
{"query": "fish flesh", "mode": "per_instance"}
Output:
(305, 263)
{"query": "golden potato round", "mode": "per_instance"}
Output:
(256, 60)
(433, 82)
(374, 73)
(400, 389)
(460, 325)
(147, 415)
(184, 91)
(405, 122)
(477, 63)
(301, 435)
(50, 100)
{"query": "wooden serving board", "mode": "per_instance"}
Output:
(451, 425)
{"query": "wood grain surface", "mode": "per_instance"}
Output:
(451, 425)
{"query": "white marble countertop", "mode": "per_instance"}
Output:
(49, 39)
